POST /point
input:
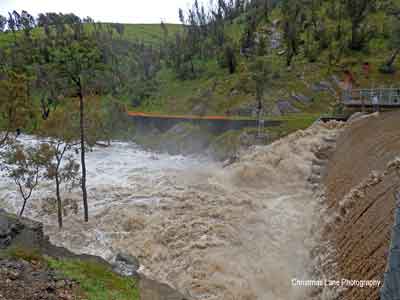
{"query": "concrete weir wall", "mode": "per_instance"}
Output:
(216, 126)
(362, 178)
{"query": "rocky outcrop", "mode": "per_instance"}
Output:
(286, 107)
(22, 231)
(8, 231)
(301, 98)
(22, 280)
(28, 234)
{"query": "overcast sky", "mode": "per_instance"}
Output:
(122, 11)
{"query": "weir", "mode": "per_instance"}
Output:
(214, 124)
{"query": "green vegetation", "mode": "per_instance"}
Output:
(206, 67)
(148, 33)
(285, 59)
(318, 40)
(293, 123)
(22, 253)
(96, 280)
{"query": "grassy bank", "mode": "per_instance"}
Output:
(96, 281)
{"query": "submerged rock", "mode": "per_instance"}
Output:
(302, 98)
(126, 265)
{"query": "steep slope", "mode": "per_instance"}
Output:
(363, 175)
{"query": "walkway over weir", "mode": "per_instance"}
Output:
(385, 97)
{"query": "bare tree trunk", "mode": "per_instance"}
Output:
(23, 207)
(356, 36)
(59, 204)
(26, 197)
(393, 57)
(192, 65)
(83, 158)
(353, 36)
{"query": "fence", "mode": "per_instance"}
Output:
(385, 97)
(391, 285)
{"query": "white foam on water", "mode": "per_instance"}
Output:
(236, 233)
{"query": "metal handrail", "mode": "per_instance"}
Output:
(384, 96)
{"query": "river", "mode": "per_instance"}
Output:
(237, 233)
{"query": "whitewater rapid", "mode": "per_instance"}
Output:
(236, 233)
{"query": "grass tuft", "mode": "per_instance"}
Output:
(96, 280)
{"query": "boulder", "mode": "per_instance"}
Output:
(244, 110)
(12, 228)
(128, 259)
(234, 93)
(200, 109)
(28, 234)
(275, 112)
(302, 98)
(126, 265)
(321, 86)
(286, 107)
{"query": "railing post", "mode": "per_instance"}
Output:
(365, 98)
(362, 102)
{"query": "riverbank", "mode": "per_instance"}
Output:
(239, 232)
(32, 268)
(246, 230)
(362, 176)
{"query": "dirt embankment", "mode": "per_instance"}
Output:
(362, 177)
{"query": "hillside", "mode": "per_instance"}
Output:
(147, 33)
(287, 59)
(311, 86)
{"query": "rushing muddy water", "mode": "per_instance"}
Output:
(236, 233)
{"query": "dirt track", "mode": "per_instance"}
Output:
(360, 195)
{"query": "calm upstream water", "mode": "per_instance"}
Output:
(236, 233)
